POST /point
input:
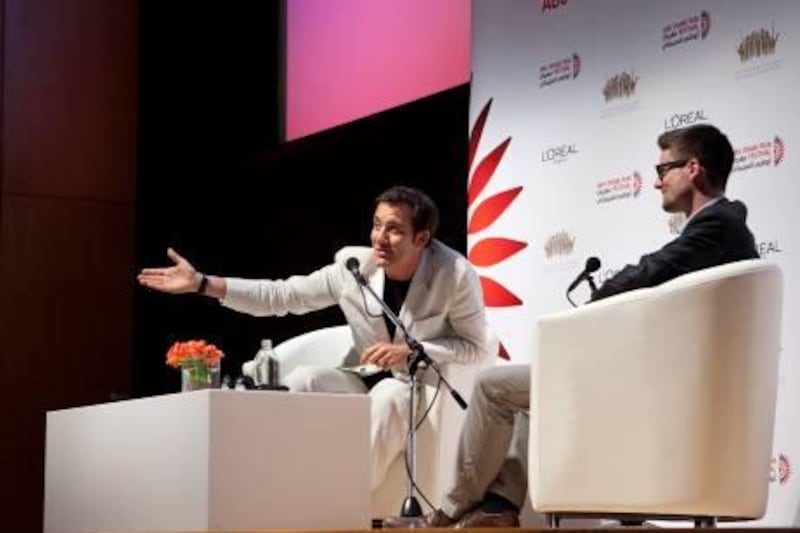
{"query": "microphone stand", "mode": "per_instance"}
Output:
(411, 507)
(592, 286)
(592, 289)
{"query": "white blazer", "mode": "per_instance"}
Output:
(443, 308)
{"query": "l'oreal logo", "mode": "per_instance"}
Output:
(558, 154)
(680, 120)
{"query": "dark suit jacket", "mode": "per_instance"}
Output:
(718, 234)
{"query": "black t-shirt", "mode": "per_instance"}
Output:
(394, 294)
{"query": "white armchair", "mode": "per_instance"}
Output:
(437, 438)
(660, 402)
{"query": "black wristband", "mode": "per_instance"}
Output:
(201, 289)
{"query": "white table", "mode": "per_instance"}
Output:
(214, 459)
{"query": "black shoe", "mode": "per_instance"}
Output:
(481, 518)
(435, 519)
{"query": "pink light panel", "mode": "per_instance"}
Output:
(347, 59)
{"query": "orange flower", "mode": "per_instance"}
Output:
(181, 352)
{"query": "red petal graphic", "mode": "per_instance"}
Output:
(485, 171)
(502, 353)
(495, 295)
(489, 252)
(491, 209)
(477, 131)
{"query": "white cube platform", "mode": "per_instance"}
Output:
(205, 460)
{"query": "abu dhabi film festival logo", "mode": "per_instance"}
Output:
(759, 154)
(687, 118)
(619, 188)
(560, 243)
(558, 154)
(621, 85)
(758, 43)
(693, 28)
(559, 70)
(550, 5)
(780, 469)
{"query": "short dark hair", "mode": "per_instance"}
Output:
(705, 142)
(424, 213)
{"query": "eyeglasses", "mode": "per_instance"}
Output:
(663, 168)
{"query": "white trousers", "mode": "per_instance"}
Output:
(493, 446)
(389, 409)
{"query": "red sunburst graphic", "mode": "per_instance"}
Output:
(488, 252)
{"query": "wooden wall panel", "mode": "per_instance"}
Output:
(68, 178)
(67, 278)
(66, 290)
(70, 78)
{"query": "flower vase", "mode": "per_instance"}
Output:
(197, 374)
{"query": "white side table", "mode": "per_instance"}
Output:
(213, 459)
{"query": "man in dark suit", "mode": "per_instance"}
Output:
(490, 485)
(692, 173)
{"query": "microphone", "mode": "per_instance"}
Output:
(353, 266)
(592, 265)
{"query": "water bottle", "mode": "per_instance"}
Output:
(266, 371)
(264, 360)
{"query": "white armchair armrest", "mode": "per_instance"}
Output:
(324, 347)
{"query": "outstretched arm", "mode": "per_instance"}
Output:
(180, 278)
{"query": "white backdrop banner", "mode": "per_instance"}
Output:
(568, 99)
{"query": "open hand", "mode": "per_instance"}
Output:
(176, 279)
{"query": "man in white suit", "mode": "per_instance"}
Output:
(432, 288)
